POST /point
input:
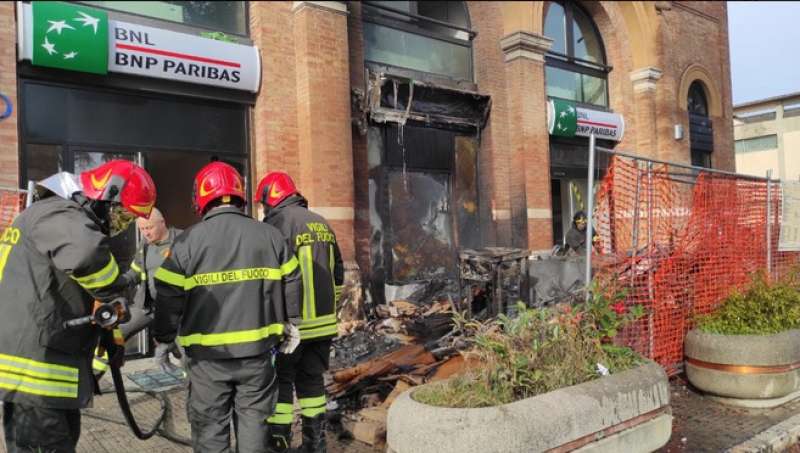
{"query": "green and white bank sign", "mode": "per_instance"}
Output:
(79, 38)
(565, 119)
(68, 36)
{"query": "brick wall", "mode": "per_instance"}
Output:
(302, 116)
(694, 34)
(9, 144)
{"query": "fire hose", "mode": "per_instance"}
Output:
(104, 318)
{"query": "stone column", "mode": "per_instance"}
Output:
(323, 114)
(646, 108)
(529, 143)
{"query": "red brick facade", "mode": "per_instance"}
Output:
(313, 67)
(9, 149)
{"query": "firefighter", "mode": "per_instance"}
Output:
(55, 262)
(576, 236)
(227, 291)
(323, 273)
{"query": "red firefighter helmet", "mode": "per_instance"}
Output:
(216, 180)
(123, 182)
(274, 188)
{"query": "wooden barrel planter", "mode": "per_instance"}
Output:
(628, 411)
(745, 370)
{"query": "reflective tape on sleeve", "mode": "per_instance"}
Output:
(289, 266)
(101, 278)
(167, 276)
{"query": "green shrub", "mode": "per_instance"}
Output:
(763, 308)
(538, 351)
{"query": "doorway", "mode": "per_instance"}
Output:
(65, 127)
(173, 173)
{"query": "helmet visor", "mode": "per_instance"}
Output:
(119, 219)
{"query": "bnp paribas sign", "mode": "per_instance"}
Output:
(566, 119)
(74, 37)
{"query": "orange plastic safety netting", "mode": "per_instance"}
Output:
(680, 241)
(11, 203)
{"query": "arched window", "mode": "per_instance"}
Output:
(427, 36)
(701, 131)
(576, 63)
(696, 101)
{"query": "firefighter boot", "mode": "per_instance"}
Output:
(280, 438)
(313, 434)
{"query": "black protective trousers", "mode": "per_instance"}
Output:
(242, 390)
(302, 371)
(30, 428)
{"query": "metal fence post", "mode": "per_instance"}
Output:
(29, 195)
(769, 223)
(589, 215)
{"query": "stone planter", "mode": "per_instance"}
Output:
(745, 370)
(626, 412)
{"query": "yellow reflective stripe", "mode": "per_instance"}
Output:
(318, 332)
(137, 268)
(284, 408)
(227, 338)
(232, 276)
(316, 401)
(5, 250)
(289, 266)
(99, 365)
(40, 369)
(307, 269)
(312, 412)
(317, 322)
(101, 278)
(167, 276)
(333, 279)
(17, 383)
(280, 419)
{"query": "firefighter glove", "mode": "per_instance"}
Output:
(291, 338)
(161, 356)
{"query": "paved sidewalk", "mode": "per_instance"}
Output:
(700, 425)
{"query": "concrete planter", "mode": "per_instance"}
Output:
(745, 370)
(626, 412)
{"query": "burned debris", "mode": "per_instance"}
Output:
(417, 336)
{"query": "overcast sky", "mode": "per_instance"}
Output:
(764, 38)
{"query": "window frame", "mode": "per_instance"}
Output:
(569, 62)
(201, 28)
(371, 13)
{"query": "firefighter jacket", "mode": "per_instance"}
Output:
(227, 288)
(320, 264)
(54, 262)
(148, 259)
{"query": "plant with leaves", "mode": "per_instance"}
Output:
(538, 351)
(762, 308)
